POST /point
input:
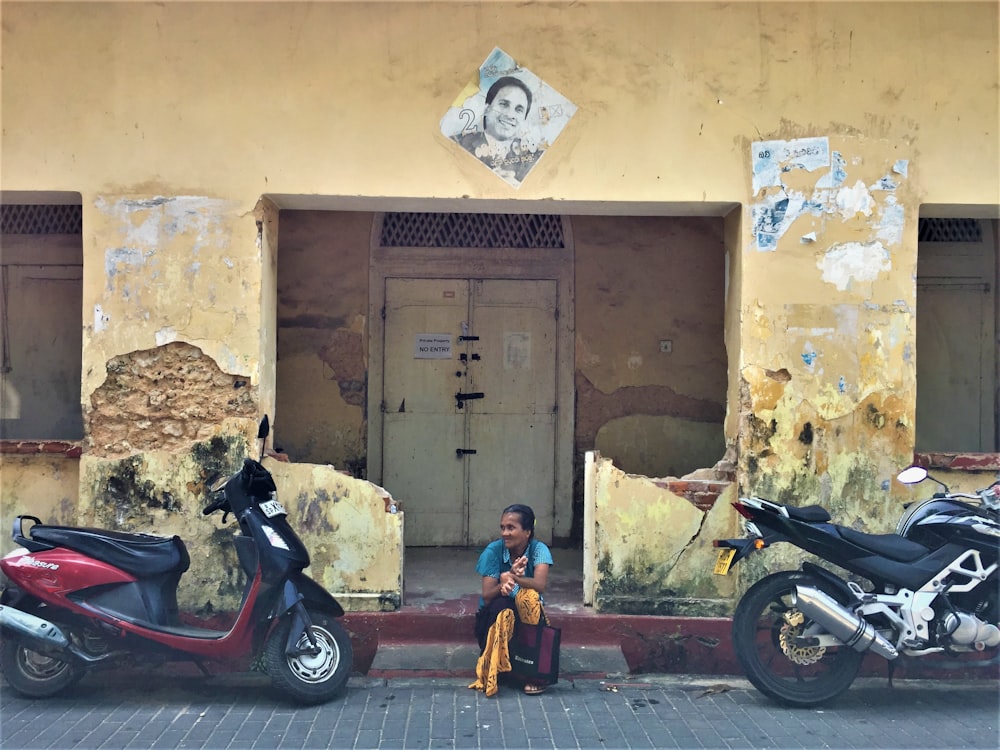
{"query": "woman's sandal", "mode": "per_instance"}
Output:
(534, 689)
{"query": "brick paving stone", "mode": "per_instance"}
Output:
(665, 712)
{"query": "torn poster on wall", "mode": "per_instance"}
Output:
(507, 118)
(778, 205)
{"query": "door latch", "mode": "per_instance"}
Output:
(461, 398)
(459, 452)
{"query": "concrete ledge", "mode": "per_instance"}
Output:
(428, 659)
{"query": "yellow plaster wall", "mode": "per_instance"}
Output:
(354, 540)
(653, 548)
(827, 364)
(42, 486)
(159, 269)
(355, 545)
(229, 101)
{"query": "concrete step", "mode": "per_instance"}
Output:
(440, 641)
(451, 659)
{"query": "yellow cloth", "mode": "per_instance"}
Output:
(496, 657)
(529, 607)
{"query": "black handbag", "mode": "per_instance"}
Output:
(534, 653)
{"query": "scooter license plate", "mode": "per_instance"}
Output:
(723, 560)
(273, 508)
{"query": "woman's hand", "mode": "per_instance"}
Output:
(507, 583)
(519, 566)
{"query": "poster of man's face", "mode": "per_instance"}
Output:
(508, 118)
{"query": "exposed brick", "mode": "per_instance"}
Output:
(699, 492)
(48, 447)
(959, 461)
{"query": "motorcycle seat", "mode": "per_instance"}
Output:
(893, 546)
(141, 555)
(808, 513)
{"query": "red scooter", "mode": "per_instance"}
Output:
(82, 598)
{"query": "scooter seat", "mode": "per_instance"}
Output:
(141, 555)
(893, 546)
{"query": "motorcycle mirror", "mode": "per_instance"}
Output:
(912, 475)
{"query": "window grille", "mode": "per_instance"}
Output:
(41, 219)
(950, 230)
(401, 229)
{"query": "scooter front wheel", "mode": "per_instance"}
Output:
(36, 675)
(311, 678)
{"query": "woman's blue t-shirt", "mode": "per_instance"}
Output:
(495, 560)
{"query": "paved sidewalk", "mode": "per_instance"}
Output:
(663, 711)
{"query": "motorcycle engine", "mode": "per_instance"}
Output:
(967, 630)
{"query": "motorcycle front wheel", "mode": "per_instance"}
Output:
(765, 627)
(35, 675)
(311, 678)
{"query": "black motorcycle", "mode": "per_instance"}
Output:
(929, 588)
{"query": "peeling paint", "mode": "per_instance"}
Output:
(890, 225)
(855, 200)
(772, 158)
(851, 262)
(101, 319)
(165, 336)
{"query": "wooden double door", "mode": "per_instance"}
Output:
(469, 404)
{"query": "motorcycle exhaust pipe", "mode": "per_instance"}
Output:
(842, 624)
(34, 632)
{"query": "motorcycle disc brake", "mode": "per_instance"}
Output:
(791, 629)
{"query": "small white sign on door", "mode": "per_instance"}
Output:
(432, 346)
(517, 351)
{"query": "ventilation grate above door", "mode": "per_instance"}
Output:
(41, 219)
(950, 230)
(472, 230)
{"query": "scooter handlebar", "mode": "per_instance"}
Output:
(219, 504)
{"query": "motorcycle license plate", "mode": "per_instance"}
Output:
(273, 508)
(723, 560)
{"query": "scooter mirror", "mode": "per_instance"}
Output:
(265, 428)
(912, 475)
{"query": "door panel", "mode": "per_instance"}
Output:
(512, 428)
(454, 464)
(421, 426)
(513, 464)
(951, 343)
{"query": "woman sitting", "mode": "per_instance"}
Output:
(515, 571)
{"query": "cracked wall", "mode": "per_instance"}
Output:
(653, 545)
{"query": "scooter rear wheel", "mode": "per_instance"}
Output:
(311, 678)
(36, 675)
